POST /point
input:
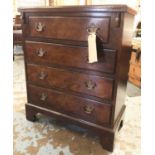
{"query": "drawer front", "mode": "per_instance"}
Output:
(46, 53)
(82, 108)
(73, 81)
(68, 28)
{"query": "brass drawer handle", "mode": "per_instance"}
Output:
(92, 29)
(42, 75)
(39, 27)
(90, 84)
(40, 52)
(43, 97)
(88, 109)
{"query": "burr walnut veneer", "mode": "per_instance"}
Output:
(60, 81)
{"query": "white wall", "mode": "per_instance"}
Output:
(28, 3)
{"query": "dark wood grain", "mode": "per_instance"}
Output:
(70, 56)
(88, 110)
(74, 81)
(70, 28)
(123, 65)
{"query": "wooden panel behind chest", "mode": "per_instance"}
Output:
(135, 64)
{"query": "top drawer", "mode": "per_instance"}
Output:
(68, 28)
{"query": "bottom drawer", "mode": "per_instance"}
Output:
(86, 109)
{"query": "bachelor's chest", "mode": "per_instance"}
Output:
(60, 80)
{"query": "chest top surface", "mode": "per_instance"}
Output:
(84, 8)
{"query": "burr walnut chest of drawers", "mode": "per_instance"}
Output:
(60, 80)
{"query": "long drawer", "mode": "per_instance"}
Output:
(82, 108)
(47, 53)
(70, 28)
(70, 80)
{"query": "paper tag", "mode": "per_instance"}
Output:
(92, 51)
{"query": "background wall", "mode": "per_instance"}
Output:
(26, 3)
(19, 3)
(132, 3)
